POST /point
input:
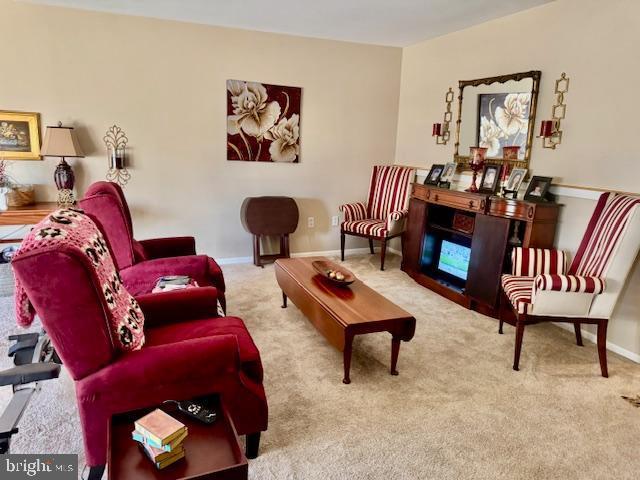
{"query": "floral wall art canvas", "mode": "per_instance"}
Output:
(503, 120)
(263, 122)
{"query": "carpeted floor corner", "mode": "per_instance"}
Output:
(457, 409)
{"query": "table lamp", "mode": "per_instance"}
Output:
(61, 142)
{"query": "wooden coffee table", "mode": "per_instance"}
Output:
(212, 451)
(339, 312)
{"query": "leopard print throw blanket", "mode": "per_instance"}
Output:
(72, 228)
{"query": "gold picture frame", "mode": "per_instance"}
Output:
(19, 135)
(462, 158)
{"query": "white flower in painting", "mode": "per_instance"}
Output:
(252, 114)
(284, 140)
(513, 116)
(490, 135)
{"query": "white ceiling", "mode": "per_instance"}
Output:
(381, 22)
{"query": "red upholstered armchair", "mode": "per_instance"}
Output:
(187, 353)
(540, 289)
(384, 215)
(141, 262)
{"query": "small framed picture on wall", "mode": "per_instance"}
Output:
(19, 135)
(490, 178)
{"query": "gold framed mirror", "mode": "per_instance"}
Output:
(497, 112)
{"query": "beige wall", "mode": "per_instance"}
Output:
(164, 84)
(594, 42)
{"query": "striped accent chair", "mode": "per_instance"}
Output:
(541, 289)
(384, 215)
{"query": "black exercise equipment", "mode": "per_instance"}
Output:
(35, 361)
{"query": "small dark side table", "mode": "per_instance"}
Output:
(269, 216)
(212, 451)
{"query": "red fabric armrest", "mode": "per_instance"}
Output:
(187, 361)
(188, 304)
(168, 247)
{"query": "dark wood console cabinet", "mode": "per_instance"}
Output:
(489, 226)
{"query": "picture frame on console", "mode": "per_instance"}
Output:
(433, 178)
(516, 177)
(538, 189)
(448, 174)
(490, 179)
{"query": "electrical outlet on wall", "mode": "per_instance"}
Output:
(335, 220)
(311, 222)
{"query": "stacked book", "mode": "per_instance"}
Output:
(161, 438)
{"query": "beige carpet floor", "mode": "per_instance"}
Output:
(457, 409)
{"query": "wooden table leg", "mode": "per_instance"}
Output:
(346, 356)
(256, 251)
(284, 300)
(395, 350)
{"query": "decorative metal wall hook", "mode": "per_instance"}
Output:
(441, 130)
(550, 131)
(116, 141)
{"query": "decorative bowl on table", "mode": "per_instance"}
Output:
(333, 273)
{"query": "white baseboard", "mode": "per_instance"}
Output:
(610, 346)
(233, 260)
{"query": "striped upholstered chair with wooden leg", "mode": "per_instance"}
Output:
(540, 290)
(383, 216)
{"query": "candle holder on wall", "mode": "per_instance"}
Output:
(550, 131)
(116, 143)
(441, 130)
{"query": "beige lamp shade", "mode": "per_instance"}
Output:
(61, 142)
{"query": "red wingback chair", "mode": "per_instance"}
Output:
(186, 352)
(141, 262)
(540, 289)
(384, 215)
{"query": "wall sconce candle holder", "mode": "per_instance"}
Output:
(441, 130)
(116, 143)
(550, 131)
